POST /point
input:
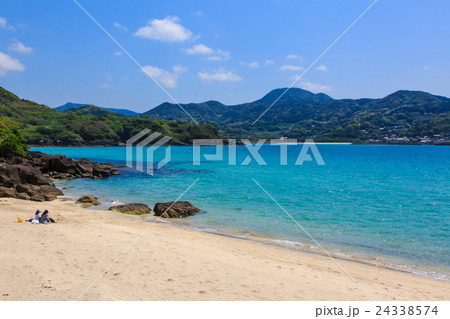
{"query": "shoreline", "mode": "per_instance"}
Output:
(338, 253)
(174, 263)
(277, 143)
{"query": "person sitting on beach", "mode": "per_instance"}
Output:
(37, 217)
(45, 219)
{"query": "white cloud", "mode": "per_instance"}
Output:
(219, 56)
(322, 67)
(199, 49)
(426, 67)
(4, 24)
(313, 87)
(179, 69)
(104, 85)
(292, 56)
(167, 30)
(251, 64)
(20, 47)
(9, 64)
(220, 75)
(289, 67)
(212, 55)
(120, 26)
(166, 78)
(268, 62)
(118, 53)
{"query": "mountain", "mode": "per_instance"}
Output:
(295, 94)
(70, 106)
(122, 111)
(209, 111)
(411, 114)
(216, 112)
(89, 125)
(301, 114)
(93, 110)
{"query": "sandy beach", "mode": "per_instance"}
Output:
(60, 261)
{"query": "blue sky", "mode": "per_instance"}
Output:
(230, 51)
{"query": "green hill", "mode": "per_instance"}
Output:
(93, 110)
(41, 125)
(295, 94)
(301, 114)
(73, 106)
(209, 112)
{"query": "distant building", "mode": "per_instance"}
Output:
(425, 140)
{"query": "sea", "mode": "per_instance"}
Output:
(386, 205)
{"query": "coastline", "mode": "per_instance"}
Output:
(59, 261)
(274, 143)
(339, 254)
(243, 234)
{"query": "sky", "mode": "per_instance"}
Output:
(231, 51)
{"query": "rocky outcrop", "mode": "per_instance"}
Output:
(62, 167)
(175, 209)
(132, 208)
(26, 182)
(88, 200)
(30, 177)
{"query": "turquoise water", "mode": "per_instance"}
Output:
(387, 204)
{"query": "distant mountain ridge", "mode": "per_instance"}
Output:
(295, 94)
(69, 105)
(302, 114)
(84, 124)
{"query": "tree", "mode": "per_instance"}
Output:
(11, 141)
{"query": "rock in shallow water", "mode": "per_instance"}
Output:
(175, 209)
(132, 208)
(88, 199)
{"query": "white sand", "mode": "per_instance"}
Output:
(60, 261)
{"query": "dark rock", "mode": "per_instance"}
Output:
(85, 168)
(98, 172)
(132, 208)
(7, 192)
(88, 199)
(51, 190)
(106, 166)
(26, 182)
(9, 175)
(22, 196)
(32, 175)
(175, 209)
(62, 167)
(20, 175)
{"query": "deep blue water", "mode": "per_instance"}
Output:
(383, 201)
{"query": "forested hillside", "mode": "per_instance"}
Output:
(41, 125)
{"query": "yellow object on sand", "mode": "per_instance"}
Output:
(20, 220)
